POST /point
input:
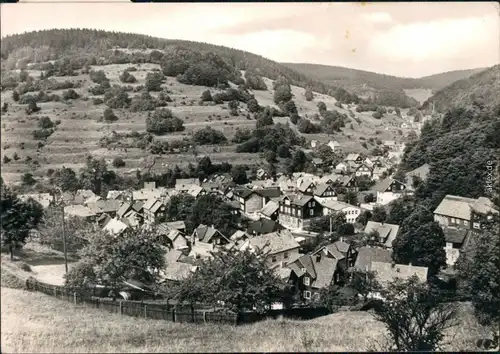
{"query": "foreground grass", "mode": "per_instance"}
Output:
(33, 322)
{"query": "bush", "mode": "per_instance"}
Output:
(32, 108)
(109, 116)
(131, 68)
(294, 118)
(117, 97)
(118, 162)
(6, 159)
(282, 94)
(305, 126)
(206, 96)
(98, 77)
(209, 136)
(163, 121)
(377, 115)
(70, 95)
(97, 101)
(45, 123)
(154, 81)
(25, 267)
(127, 77)
(309, 95)
(15, 96)
(254, 81)
(42, 134)
(253, 105)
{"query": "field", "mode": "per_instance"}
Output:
(80, 130)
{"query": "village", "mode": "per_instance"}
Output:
(279, 215)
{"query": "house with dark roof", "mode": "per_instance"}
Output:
(341, 251)
(297, 211)
(388, 190)
(306, 186)
(171, 237)
(154, 211)
(253, 200)
(311, 273)
(366, 255)
(318, 162)
(101, 206)
(208, 234)
(460, 212)
(355, 158)
(455, 240)
(364, 170)
(325, 191)
(262, 226)
(387, 232)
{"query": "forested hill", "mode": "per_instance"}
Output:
(40, 46)
(481, 88)
(353, 78)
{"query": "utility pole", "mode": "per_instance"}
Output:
(331, 226)
(61, 204)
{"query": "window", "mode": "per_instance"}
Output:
(285, 255)
(311, 212)
(476, 225)
(273, 259)
(466, 223)
(310, 204)
(307, 281)
(313, 203)
(300, 213)
(307, 294)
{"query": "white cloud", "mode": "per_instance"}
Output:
(445, 39)
(377, 17)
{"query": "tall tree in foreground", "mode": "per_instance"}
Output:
(413, 316)
(109, 261)
(17, 219)
(240, 279)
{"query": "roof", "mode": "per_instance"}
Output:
(383, 185)
(317, 161)
(283, 272)
(270, 208)
(206, 233)
(145, 194)
(78, 210)
(387, 272)
(178, 271)
(319, 267)
(299, 200)
(455, 235)
(336, 205)
(123, 209)
(269, 192)
(274, 242)
(153, 205)
(178, 225)
(243, 192)
(352, 157)
(484, 206)
(368, 254)
(321, 188)
(115, 227)
(195, 190)
(262, 226)
(43, 198)
(238, 235)
(138, 206)
(114, 194)
(187, 181)
(421, 171)
(456, 207)
(386, 231)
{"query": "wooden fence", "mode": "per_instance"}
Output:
(149, 310)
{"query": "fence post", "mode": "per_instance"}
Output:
(28, 284)
(173, 314)
(74, 297)
(145, 311)
(205, 316)
(192, 312)
(121, 307)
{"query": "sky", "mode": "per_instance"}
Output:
(401, 39)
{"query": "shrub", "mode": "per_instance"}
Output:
(254, 81)
(117, 97)
(70, 95)
(305, 126)
(127, 77)
(97, 101)
(163, 121)
(377, 115)
(131, 68)
(208, 136)
(98, 77)
(32, 108)
(253, 105)
(45, 123)
(294, 118)
(206, 96)
(15, 96)
(118, 162)
(154, 81)
(309, 94)
(109, 115)
(27, 179)
(42, 134)
(282, 94)
(25, 267)
(6, 159)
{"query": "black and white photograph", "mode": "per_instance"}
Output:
(249, 177)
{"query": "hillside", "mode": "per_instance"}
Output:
(482, 87)
(61, 76)
(368, 83)
(54, 325)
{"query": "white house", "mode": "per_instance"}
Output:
(388, 190)
(335, 146)
(332, 206)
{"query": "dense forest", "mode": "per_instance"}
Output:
(86, 46)
(480, 89)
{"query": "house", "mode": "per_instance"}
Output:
(262, 226)
(262, 174)
(347, 182)
(388, 190)
(418, 173)
(366, 255)
(115, 227)
(297, 211)
(177, 225)
(364, 170)
(176, 272)
(455, 240)
(211, 187)
(82, 195)
(335, 146)
(342, 167)
(461, 212)
(280, 247)
(145, 194)
(154, 211)
(317, 162)
(311, 273)
(270, 210)
(391, 144)
(125, 207)
(379, 172)
(325, 192)
(252, 200)
(184, 184)
(44, 199)
(355, 158)
(117, 195)
(79, 211)
(306, 186)
(333, 206)
(386, 272)
(171, 237)
(109, 207)
(208, 234)
(341, 251)
(314, 143)
(171, 255)
(103, 219)
(196, 191)
(386, 232)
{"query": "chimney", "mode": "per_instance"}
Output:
(341, 238)
(318, 257)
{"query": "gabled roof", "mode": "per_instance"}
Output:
(421, 171)
(43, 198)
(386, 231)
(270, 208)
(262, 226)
(115, 227)
(138, 206)
(317, 161)
(299, 200)
(322, 188)
(178, 225)
(384, 184)
(206, 233)
(320, 268)
(243, 192)
(269, 192)
(455, 235)
(123, 209)
(274, 242)
(305, 184)
(352, 157)
(387, 272)
(368, 254)
(172, 256)
(195, 190)
(78, 210)
(178, 271)
(336, 205)
(114, 194)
